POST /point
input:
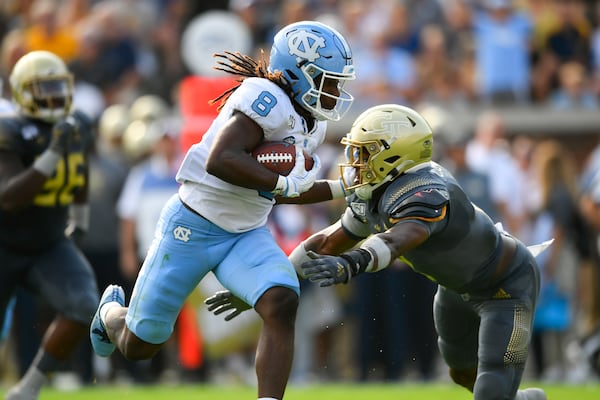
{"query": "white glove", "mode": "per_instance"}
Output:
(299, 179)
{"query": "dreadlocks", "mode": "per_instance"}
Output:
(245, 67)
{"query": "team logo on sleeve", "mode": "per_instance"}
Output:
(305, 45)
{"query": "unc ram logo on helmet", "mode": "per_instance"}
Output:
(308, 53)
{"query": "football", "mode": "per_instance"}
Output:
(280, 157)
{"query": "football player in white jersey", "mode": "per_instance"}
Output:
(217, 222)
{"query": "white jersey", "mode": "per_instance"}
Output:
(231, 207)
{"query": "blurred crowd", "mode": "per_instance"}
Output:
(451, 54)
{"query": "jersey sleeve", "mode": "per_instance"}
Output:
(264, 102)
(9, 140)
(353, 226)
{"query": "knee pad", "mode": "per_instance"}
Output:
(465, 378)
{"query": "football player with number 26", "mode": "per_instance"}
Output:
(217, 221)
(43, 209)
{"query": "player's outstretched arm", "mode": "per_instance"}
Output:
(374, 254)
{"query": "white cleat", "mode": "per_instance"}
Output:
(531, 394)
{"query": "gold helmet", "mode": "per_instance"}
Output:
(42, 86)
(113, 122)
(384, 142)
(148, 107)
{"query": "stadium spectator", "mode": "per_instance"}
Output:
(502, 41)
(476, 184)
(575, 90)
(439, 81)
(45, 30)
(485, 151)
(557, 215)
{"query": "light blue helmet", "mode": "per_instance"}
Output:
(307, 53)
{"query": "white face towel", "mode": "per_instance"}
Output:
(535, 249)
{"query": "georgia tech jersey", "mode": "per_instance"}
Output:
(462, 237)
(38, 225)
(234, 208)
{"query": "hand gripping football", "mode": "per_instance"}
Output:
(280, 157)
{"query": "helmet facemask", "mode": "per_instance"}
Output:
(47, 98)
(311, 100)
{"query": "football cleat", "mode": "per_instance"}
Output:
(531, 394)
(98, 335)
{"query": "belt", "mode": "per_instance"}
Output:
(509, 249)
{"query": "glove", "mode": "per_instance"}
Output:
(332, 270)
(223, 301)
(63, 132)
(299, 179)
(327, 270)
(75, 233)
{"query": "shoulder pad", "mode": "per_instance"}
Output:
(428, 204)
(421, 195)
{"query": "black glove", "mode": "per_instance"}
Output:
(223, 301)
(63, 132)
(327, 270)
(332, 270)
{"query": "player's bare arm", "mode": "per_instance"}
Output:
(230, 157)
(332, 265)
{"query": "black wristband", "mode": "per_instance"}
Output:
(358, 259)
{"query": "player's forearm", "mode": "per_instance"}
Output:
(20, 190)
(331, 240)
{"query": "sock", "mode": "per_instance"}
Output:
(104, 310)
(30, 384)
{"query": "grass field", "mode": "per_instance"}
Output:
(326, 392)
